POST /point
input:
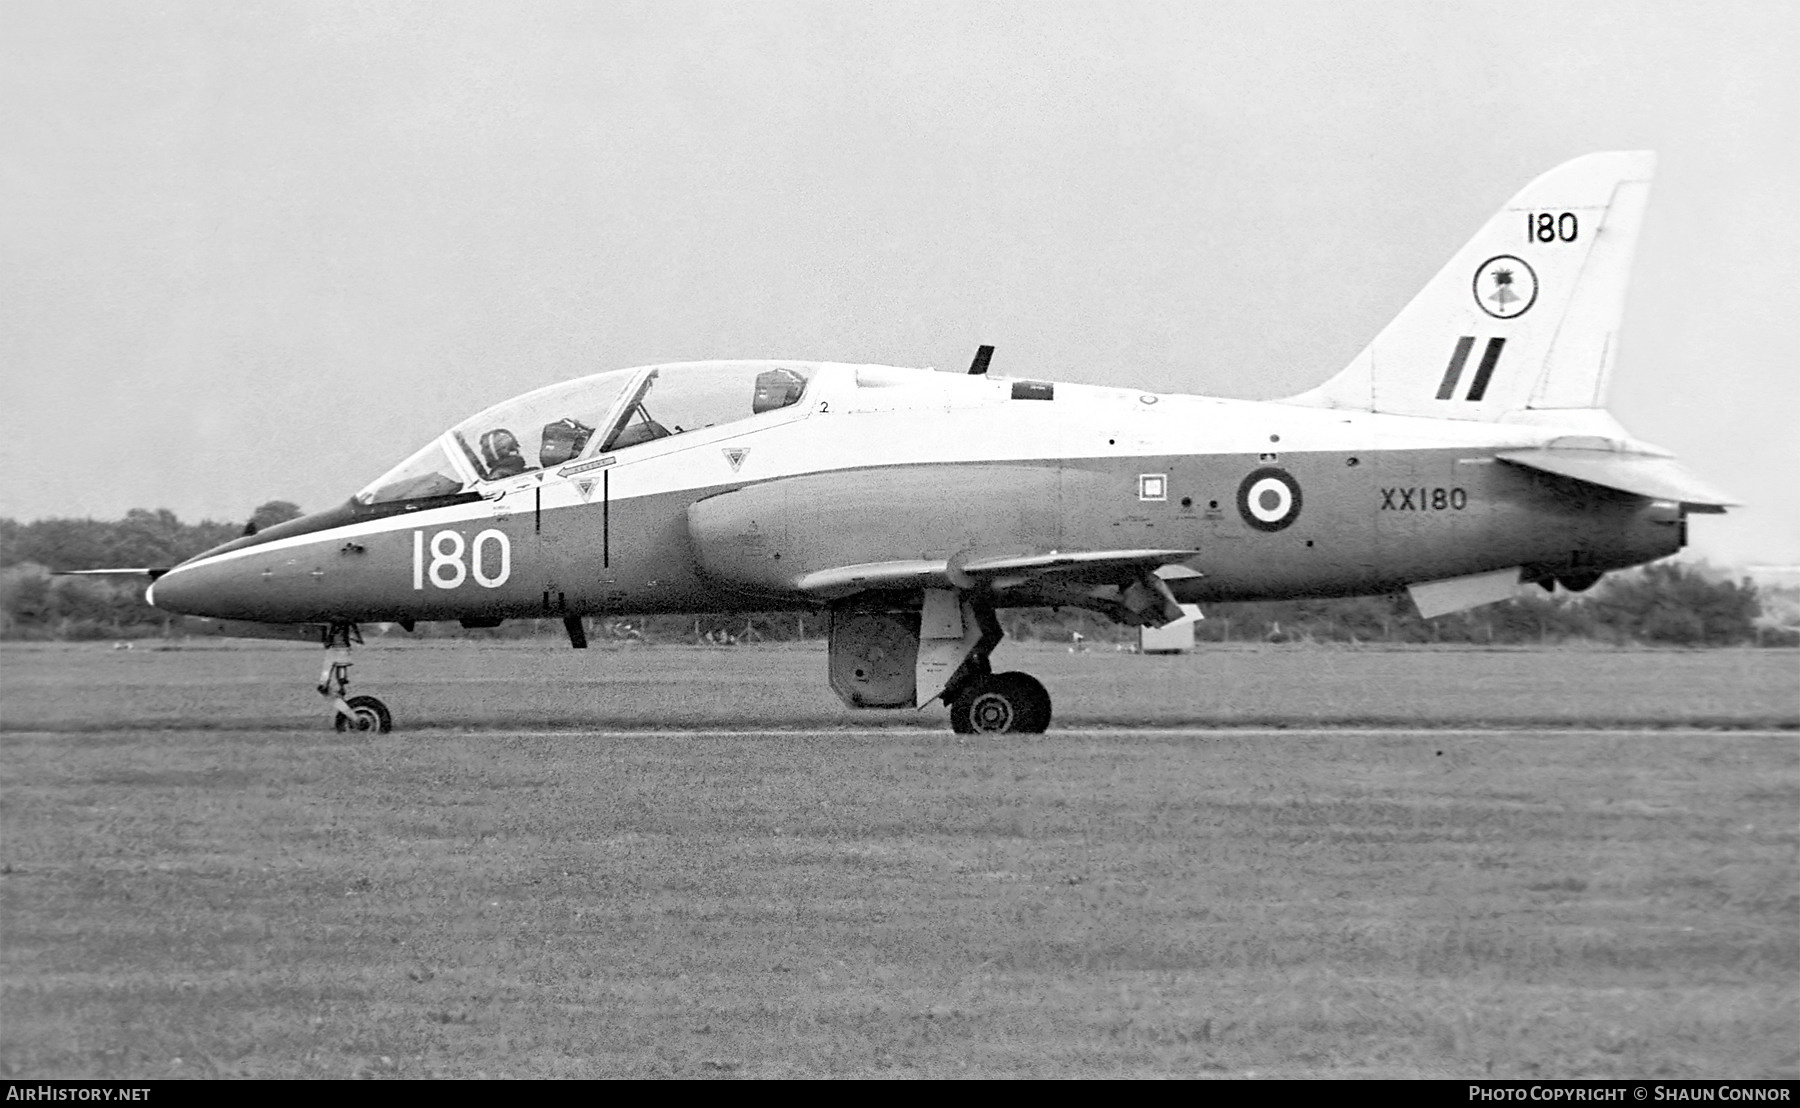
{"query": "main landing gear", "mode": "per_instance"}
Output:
(981, 702)
(349, 713)
(1001, 703)
(893, 651)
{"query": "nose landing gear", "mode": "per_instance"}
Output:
(350, 713)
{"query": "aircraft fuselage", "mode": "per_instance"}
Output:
(882, 466)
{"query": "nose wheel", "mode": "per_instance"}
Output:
(1001, 704)
(365, 714)
(349, 713)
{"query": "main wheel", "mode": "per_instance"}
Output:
(366, 714)
(1036, 700)
(1001, 704)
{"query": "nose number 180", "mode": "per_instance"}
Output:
(447, 567)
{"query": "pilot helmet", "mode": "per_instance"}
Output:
(497, 444)
(562, 441)
(776, 388)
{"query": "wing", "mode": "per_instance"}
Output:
(1129, 585)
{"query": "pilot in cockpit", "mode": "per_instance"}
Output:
(500, 453)
(776, 388)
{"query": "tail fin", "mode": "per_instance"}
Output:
(1526, 315)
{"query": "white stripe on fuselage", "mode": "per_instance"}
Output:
(919, 417)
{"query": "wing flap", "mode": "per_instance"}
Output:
(1655, 476)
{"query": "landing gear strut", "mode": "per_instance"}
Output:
(354, 713)
(983, 702)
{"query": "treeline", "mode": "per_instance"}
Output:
(1668, 603)
(142, 538)
(36, 605)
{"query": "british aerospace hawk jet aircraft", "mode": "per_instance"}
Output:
(1464, 452)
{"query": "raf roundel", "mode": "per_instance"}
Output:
(1505, 287)
(1269, 499)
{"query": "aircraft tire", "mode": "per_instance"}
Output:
(959, 716)
(1036, 717)
(1001, 704)
(370, 715)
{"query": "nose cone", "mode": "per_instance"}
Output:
(253, 577)
(218, 588)
(178, 590)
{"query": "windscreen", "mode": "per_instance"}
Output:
(429, 473)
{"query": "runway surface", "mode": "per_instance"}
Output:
(1115, 732)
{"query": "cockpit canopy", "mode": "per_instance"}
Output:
(595, 415)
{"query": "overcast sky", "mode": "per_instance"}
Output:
(264, 250)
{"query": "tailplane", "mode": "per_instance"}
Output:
(1525, 316)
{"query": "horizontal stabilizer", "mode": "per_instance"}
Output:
(1656, 476)
(149, 573)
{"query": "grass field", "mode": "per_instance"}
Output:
(197, 877)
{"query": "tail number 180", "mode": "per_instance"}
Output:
(447, 566)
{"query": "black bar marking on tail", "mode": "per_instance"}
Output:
(1454, 370)
(1489, 358)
